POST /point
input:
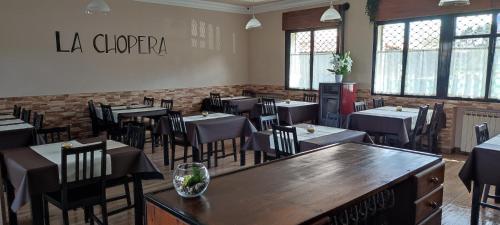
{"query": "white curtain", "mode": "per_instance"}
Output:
(299, 71)
(421, 72)
(388, 72)
(495, 76)
(320, 72)
(468, 72)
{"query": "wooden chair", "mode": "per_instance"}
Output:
(55, 134)
(432, 131)
(285, 141)
(417, 133)
(231, 109)
(37, 121)
(26, 115)
(309, 97)
(333, 120)
(135, 137)
(17, 111)
(167, 104)
(216, 103)
(360, 106)
(482, 135)
(149, 101)
(267, 122)
(248, 93)
(268, 107)
(113, 128)
(97, 124)
(177, 136)
(84, 191)
(378, 102)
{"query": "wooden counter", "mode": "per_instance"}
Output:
(309, 187)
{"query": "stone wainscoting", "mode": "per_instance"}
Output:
(61, 110)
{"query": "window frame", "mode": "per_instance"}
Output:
(447, 38)
(340, 48)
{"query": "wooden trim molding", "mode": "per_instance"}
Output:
(310, 18)
(403, 9)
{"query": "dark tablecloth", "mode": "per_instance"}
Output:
(31, 173)
(260, 141)
(17, 138)
(483, 164)
(246, 104)
(212, 130)
(398, 126)
(297, 112)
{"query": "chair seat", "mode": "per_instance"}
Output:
(78, 197)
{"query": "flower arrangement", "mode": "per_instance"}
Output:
(341, 63)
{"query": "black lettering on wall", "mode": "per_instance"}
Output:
(130, 45)
(141, 40)
(123, 48)
(77, 44)
(152, 46)
(95, 43)
(58, 43)
(163, 47)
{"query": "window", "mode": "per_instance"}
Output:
(308, 58)
(450, 56)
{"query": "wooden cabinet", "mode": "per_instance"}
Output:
(158, 216)
(429, 193)
(336, 98)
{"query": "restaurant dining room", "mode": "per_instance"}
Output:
(250, 112)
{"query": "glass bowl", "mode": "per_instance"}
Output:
(191, 179)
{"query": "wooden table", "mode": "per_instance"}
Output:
(308, 187)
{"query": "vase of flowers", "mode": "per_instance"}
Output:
(341, 65)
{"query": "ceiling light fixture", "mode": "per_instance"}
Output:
(99, 6)
(331, 14)
(253, 22)
(453, 2)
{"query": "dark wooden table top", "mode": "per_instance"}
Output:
(297, 190)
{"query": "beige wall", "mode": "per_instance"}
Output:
(267, 47)
(30, 65)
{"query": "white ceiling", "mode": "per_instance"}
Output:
(239, 6)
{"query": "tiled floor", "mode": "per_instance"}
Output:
(456, 199)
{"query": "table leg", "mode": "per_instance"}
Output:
(36, 209)
(242, 152)
(257, 157)
(166, 160)
(477, 192)
(10, 199)
(210, 152)
(138, 201)
(196, 153)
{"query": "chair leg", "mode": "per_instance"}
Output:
(91, 212)
(65, 217)
(46, 214)
(486, 193)
(235, 157)
(104, 212)
(172, 157)
(185, 153)
(127, 194)
(476, 200)
(223, 149)
(209, 153)
(216, 156)
(153, 142)
(165, 151)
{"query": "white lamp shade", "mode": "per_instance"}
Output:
(331, 15)
(98, 6)
(253, 23)
(453, 2)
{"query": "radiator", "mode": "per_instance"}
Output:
(475, 117)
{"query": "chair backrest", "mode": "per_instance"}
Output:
(333, 120)
(92, 111)
(267, 122)
(435, 123)
(285, 141)
(482, 133)
(231, 109)
(37, 121)
(176, 123)
(378, 102)
(167, 104)
(136, 136)
(26, 115)
(17, 111)
(55, 134)
(248, 93)
(421, 121)
(359, 106)
(149, 101)
(83, 159)
(268, 107)
(216, 102)
(107, 115)
(309, 97)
